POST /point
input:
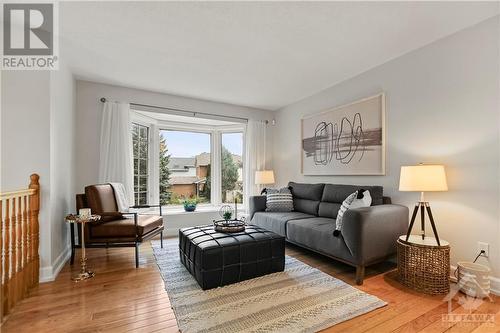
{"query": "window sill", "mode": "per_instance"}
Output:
(179, 210)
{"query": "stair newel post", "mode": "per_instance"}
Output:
(35, 231)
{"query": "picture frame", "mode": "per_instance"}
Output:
(345, 140)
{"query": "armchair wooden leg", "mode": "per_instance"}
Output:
(136, 255)
(161, 239)
(360, 275)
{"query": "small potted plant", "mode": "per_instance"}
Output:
(190, 204)
(227, 216)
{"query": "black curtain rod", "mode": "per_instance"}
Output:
(191, 113)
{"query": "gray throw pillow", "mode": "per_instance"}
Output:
(279, 200)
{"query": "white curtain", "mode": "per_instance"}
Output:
(116, 159)
(255, 156)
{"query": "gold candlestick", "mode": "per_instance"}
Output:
(235, 207)
(84, 274)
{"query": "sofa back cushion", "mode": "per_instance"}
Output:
(334, 195)
(329, 209)
(306, 197)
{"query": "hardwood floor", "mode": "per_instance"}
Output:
(123, 299)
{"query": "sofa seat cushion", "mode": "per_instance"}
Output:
(276, 221)
(126, 227)
(317, 234)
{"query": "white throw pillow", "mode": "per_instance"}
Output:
(365, 201)
(351, 202)
(343, 208)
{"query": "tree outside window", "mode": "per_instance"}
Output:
(232, 167)
(140, 143)
(164, 172)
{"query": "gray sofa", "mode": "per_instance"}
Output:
(368, 234)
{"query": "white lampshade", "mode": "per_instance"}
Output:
(423, 178)
(264, 177)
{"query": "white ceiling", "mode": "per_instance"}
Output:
(260, 54)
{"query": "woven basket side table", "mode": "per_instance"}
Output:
(423, 265)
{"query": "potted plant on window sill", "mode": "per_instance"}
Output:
(190, 204)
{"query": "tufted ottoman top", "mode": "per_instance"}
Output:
(216, 259)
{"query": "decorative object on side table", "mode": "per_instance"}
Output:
(84, 217)
(423, 178)
(228, 225)
(226, 212)
(423, 264)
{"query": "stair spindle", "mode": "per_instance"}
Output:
(19, 241)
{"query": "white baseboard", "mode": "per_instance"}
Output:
(494, 281)
(49, 273)
(495, 286)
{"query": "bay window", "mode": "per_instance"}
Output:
(177, 159)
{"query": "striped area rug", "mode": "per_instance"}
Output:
(300, 299)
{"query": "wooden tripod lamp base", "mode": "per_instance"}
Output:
(423, 206)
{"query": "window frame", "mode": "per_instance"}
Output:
(148, 167)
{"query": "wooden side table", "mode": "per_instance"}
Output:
(84, 274)
(423, 265)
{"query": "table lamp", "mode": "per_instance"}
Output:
(423, 178)
(264, 177)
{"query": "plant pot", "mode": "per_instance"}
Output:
(189, 207)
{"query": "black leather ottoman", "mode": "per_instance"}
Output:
(217, 259)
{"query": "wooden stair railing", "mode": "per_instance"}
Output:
(19, 240)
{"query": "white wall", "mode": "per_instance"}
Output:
(62, 162)
(25, 141)
(442, 107)
(37, 136)
(88, 125)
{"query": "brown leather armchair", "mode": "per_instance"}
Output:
(114, 229)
